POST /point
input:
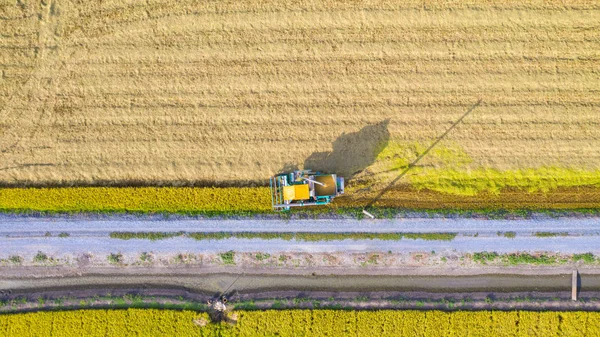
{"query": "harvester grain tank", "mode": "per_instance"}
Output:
(304, 188)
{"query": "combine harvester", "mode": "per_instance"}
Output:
(304, 188)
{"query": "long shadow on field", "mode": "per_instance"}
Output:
(416, 161)
(352, 152)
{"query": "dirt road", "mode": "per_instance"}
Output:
(252, 290)
(26, 236)
(210, 281)
(218, 279)
(91, 225)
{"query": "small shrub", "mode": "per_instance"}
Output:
(115, 258)
(484, 257)
(361, 299)
(586, 258)
(40, 257)
(133, 298)
(510, 235)
(64, 235)
(16, 259)
(48, 234)
(525, 258)
(185, 258)
(146, 257)
(228, 257)
(262, 257)
(373, 259)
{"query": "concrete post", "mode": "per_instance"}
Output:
(574, 286)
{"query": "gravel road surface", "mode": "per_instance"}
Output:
(58, 246)
(26, 235)
(23, 226)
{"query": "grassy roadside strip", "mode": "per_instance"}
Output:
(526, 258)
(152, 322)
(135, 300)
(249, 201)
(289, 236)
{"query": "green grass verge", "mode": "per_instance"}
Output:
(509, 235)
(228, 257)
(549, 234)
(289, 236)
(145, 235)
(526, 258)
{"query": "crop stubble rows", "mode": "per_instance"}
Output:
(186, 92)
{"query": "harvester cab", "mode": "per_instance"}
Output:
(304, 188)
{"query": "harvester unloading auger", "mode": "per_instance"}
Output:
(304, 188)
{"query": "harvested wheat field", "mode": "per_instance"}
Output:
(229, 93)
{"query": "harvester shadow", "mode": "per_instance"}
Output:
(352, 152)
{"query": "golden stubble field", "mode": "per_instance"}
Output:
(192, 92)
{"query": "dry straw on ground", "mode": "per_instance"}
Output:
(184, 92)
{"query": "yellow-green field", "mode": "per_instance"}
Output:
(142, 199)
(295, 323)
(198, 200)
